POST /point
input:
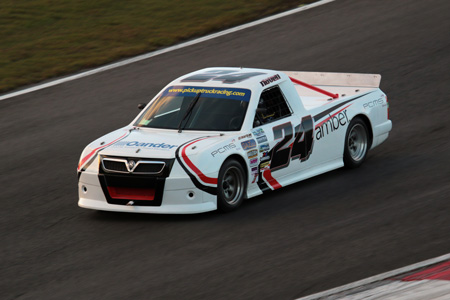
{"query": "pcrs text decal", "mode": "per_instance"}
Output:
(223, 149)
(373, 103)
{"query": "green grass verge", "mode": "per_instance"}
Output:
(40, 39)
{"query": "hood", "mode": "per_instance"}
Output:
(151, 143)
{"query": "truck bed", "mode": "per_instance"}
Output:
(342, 84)
(312, 99)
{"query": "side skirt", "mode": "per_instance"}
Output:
(305, 174)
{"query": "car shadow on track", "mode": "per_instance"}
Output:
(315, 191)
(141, 217)
(297, 196)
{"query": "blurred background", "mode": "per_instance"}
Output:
(41, 39)
(324, 232)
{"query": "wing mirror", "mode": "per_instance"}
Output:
(141, 105)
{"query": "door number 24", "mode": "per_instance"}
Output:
(285, 151)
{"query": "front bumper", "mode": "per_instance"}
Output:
(178, 196)
(163, 209)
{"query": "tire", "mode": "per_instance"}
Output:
(231, 186)
(356, 144)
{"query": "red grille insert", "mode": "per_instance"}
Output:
(131, 193)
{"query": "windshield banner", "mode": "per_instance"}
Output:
(208, 92)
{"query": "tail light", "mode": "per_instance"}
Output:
(387, 102)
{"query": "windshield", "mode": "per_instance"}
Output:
(217, 109)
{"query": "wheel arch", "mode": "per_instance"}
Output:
(222, 203)
(240, 160)
(366, 121)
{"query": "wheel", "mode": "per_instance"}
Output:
(356, 144)
(231, 186)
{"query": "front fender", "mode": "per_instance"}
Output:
(202, 158)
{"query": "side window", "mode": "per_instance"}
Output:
(271, 107)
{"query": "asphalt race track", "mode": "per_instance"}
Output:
(308, 237)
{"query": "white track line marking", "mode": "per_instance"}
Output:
(162, 51)
(377, 277)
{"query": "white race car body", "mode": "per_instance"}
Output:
(147, 168)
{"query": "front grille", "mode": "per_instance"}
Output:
(144, 185)
(115, 166)
(132, 165)
(149, 167)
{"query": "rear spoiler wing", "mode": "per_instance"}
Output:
(336, 79)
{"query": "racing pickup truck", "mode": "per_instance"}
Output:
(216, 136)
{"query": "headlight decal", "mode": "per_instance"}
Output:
(87, 160)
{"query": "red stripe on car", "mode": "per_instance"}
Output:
(87, 157)
(324, 121)
(200, 175)
(272, 181)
